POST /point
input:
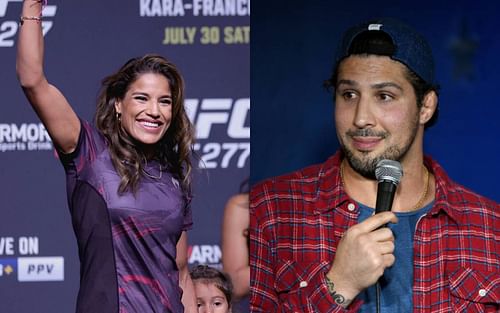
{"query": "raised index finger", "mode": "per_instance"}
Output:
(377, 220)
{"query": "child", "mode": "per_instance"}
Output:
(213, 289)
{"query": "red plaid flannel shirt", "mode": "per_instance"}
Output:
(298, 219)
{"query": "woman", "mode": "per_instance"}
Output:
(235, 245)
(235, 257)
(127, 178)
(213, 290)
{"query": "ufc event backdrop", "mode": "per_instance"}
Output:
(84, 42)
(292, 50)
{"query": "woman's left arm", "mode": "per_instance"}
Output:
(185, 282)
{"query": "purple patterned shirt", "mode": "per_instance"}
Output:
(127, 243)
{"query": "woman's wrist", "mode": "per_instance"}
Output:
(37, 19)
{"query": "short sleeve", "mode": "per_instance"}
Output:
(188, 217)
(90, 143)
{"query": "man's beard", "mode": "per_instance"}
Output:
(365, 165)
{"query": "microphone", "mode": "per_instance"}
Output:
(388, 174)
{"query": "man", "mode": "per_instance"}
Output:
(316, 245)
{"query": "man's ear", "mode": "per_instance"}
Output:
(429, 106)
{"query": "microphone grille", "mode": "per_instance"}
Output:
(389, 170)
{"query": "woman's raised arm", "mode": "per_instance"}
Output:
(48, 102)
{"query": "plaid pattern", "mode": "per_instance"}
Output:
(298, 219)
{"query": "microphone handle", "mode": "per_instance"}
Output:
(385, 195)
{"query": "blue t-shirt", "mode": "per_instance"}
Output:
(397, 283)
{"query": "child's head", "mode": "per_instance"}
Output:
(213, 289)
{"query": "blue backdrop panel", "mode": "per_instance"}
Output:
(85, 41)
(293, 45)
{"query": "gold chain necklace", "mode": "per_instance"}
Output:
(426, 190)
(422, 197)
(342, 173)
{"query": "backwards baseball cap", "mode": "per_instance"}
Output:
(411, 48)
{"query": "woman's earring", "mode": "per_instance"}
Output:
(119, 116)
